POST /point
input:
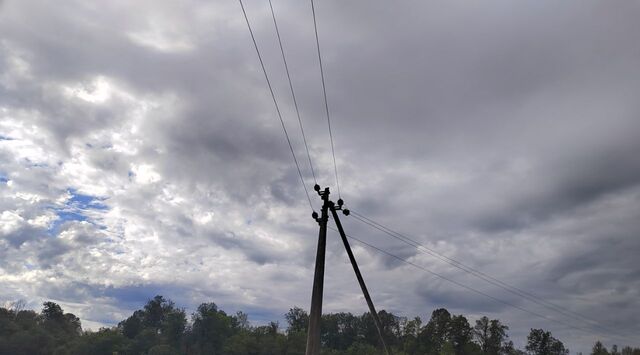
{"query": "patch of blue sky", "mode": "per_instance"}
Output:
(64, 217)
(261, 316)
(3, 178)
(76, 208)
(83, 202)
(29, 266)
(136, 296)
(5, 138)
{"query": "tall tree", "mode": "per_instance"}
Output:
(62, 327)
(599, 349)
(158, 323)
(409, 335)
(460, 334)
(436, 333)
(132, 326)
(211, 328)
(540, 342)
(491, 335)
(297, 319)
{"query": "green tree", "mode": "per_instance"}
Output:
(361, 349)
(211, 327)
(433, 336)
(158, 323)
(627, 350)
(447, 349)
(390, 327)
(491, 335)
(132, 326)
(460, 334)
(61, 327)
(106, 341)
(509, 349)
(599, 349)
(409, 335)
(297, 320)
(240, 321)
(173, 327)
(163, 349)
(540, 342)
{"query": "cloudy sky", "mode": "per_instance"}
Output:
(141, 154)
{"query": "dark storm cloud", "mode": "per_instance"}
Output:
(255, 251)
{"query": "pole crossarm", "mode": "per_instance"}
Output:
(315, 315)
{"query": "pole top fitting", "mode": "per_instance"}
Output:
(316, 187)
(325, 194)
(340, 202)
(346, 212)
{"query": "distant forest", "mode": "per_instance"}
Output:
(162, 328)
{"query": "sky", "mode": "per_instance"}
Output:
(141, 154)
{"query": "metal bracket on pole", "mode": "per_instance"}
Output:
(356, 269)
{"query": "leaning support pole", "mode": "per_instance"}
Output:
(313, 334)
(356, 269)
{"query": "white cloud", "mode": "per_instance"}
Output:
(98, 91)
(11, 221)
(145, 174)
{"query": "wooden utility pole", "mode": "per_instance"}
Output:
(356, 269)
(313, 334)
(315, 316)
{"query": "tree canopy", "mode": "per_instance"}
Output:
(160, 327)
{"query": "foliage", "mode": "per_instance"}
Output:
(540, 342)
(160, 328)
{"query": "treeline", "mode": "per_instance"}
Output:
(162, 328)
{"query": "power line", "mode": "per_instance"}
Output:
(293, 94)
(469, 288)
(483, 276)
(324, 91)
(275, 102)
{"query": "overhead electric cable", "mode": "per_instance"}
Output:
(275, 102)
(324, 91)
(293, 94)
(483, 276)
(469, 288)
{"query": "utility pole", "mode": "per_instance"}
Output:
(313, 335)
(356, 269)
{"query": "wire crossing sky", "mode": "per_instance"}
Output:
(275, 103)
(324, 95)
(484, 294)
(590, 323)
(293, 94)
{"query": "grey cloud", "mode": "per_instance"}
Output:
(253, 249)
